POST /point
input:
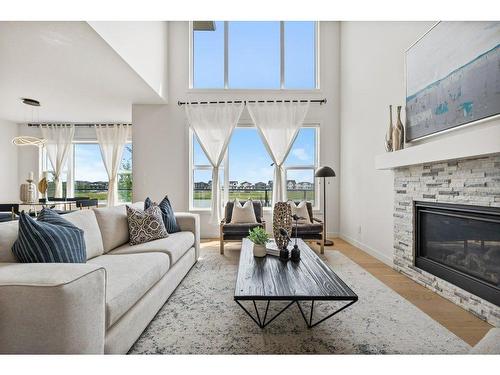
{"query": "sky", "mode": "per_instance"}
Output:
(254, 55)
(250, 161)
(88, 162)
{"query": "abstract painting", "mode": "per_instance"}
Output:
(452, 77)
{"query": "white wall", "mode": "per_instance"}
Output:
(372, 77)
(143, 45)
(9, 187)
(160, 133)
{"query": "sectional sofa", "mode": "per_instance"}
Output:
(101, 306)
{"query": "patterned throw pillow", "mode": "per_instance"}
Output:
(50, 239)
(145, 226)
(167, 213)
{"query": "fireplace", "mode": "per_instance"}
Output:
(460, 244)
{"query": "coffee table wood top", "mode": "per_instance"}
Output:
(269, 278)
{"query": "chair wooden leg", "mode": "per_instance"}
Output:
(322, 251)
(221, 245)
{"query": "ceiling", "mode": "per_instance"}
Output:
(71, 70)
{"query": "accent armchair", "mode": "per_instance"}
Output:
(237, 231)
(311, 231)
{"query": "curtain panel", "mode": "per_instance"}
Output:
(112, 140)
(58, 145)
(213, 125)
(278, 124)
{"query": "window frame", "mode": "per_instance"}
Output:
(282, 63)
(225, 187)
(45, 166)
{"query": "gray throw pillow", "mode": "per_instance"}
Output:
(145, 225)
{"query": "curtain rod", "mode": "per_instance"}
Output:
(89, 125)
(320, 101)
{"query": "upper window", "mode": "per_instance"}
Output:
(255, 55)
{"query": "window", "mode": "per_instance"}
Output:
(248, 170)
(300, 166)
(90, 178)
(255, 55)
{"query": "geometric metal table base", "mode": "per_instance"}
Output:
(265, 321)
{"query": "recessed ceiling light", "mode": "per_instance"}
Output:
(32, 102)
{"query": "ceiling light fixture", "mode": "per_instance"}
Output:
(32, 102)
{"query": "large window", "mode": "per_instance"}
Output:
(247, 171)
(255, 55)
(86, 169)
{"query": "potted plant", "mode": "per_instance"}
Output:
(259, 237)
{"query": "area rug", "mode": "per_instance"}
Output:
(201, 317)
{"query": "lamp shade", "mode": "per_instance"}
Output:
(324, 172)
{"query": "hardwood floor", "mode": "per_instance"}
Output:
(459, 321)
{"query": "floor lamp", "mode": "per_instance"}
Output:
(325, 172)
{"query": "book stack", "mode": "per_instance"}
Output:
(272, 248)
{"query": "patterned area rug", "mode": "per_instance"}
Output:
(201, 318)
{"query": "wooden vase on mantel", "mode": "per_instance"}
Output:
(388, 135)
(398, 133)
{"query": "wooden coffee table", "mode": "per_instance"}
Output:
(270, 279)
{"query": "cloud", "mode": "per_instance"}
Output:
(300, 154)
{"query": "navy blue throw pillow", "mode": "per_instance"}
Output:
(50, 239)
(167, 213)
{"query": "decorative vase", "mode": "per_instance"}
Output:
(401, 128)
(259, 251)
(28, 192)
(388, 135)
(282, 218)
(42, 187)
(397, 133)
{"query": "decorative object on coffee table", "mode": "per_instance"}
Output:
(28, 190)
(325, 172)
(282, 219)
(296, 251)
(313, 280)
(259, 237)
(284, 253)
(388, 135)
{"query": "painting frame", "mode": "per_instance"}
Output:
(434, 131)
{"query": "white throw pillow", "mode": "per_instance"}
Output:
(243, 214)
(301, 211)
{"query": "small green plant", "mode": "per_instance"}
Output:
(258, 236)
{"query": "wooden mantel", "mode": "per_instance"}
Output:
(475, 141)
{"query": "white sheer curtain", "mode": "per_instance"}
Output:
(58, 145)
(112, 140)
(278, 124)
(213, 125)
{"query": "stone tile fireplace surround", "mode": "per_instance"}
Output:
(473, 181)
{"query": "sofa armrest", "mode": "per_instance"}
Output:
(190, 222)
(52, 308)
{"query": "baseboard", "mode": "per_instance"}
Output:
(370, 250)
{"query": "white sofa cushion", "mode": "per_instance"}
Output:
(8, 235)
(114, 225)
(86, 220)
(128, 278)
(175, 245)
